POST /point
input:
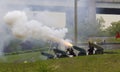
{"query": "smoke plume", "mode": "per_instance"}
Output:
(23, 28)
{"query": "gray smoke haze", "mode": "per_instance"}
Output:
(26, 5)
(64, 6)
(5, 35)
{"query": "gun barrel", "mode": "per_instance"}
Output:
(47, 55)
(59, 51)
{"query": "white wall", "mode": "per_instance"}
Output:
(52, 19)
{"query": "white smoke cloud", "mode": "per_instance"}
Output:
(23, 28)
(19, 18)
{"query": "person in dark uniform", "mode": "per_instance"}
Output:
(91, 48)
(71, 52)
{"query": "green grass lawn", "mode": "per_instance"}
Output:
(113, 40)
(21, 57)
(108, 62)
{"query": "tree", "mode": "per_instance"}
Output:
(114, 28)
(101, 22)
(86, 29)
(101, 27)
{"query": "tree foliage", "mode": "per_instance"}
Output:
(88, 29)
(114, 28)
(101, 22)
(100, 27)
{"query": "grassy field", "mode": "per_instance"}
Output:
(108, 40)
(20, 57)
(108, 62)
